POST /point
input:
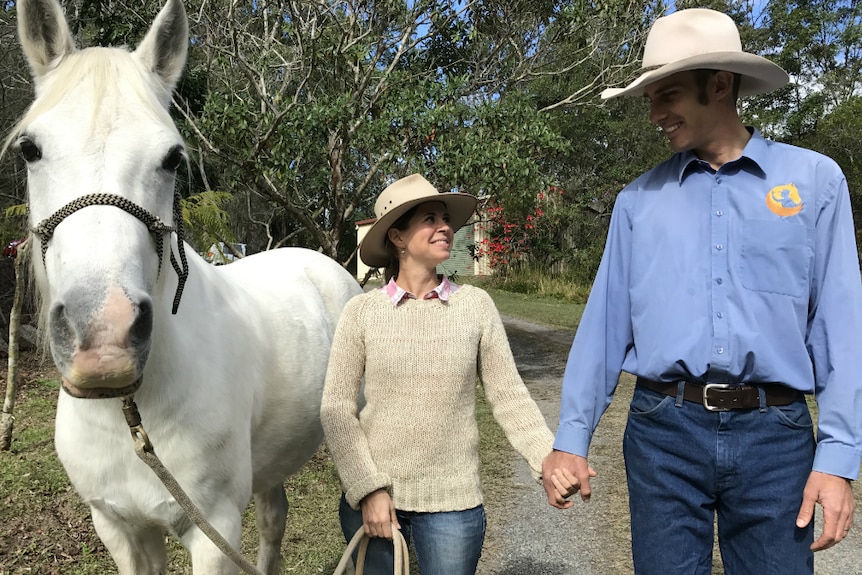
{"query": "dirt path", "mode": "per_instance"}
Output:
(528, 537)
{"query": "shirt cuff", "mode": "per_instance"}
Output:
(573, 439)
(836, 459)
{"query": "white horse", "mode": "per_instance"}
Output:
(229, 387)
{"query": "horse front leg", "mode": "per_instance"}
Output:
(207, 559)
(270, 510)
(135, 550)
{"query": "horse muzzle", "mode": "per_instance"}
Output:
(101, 351)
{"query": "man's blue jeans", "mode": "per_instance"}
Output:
(685, 465)
(446, 543)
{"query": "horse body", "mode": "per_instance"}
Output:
(229, 387)
(230, 401)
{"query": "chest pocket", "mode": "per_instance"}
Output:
(775, 257)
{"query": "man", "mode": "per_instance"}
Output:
(730, 286)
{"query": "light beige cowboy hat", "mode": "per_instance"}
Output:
(699, 38)
(397, 199)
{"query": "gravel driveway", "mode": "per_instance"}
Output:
(526, 536)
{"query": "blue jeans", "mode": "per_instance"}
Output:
(685, 465)
(446, 543)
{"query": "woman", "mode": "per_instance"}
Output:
(409, 457)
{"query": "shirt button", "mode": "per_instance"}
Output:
(720, 350)
(719, 246)
(719, 281)
(720, 315)
(719, 213)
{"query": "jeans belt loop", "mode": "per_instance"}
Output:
(762, 394)
(680, 393)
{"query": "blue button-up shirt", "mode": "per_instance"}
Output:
(748, 274)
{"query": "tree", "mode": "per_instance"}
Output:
(837, 136)
(607, 143)
(312, 108)
(7, 419)
(15, 93)
(819, 43)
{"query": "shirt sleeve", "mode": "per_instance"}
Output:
(510, 400)
(603, 339)
(834, 338)
(345, 439)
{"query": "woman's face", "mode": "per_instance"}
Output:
(428, 236)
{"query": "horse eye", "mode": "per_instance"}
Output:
(174, 158)
(29, 150)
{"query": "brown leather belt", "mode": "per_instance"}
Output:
(725, 396)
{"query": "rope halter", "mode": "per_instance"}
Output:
(44, 230)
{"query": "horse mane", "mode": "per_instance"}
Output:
(107, 71)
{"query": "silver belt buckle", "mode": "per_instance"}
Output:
(709, 386)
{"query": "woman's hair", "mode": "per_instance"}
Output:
(392, 266)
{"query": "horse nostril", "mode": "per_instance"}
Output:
(142, 325)
(62, 336)
(59, 324)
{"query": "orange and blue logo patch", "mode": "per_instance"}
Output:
(784, 200)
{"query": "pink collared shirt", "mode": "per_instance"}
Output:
(398, 294)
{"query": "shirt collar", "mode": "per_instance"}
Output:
(398, 294)
(753, 155)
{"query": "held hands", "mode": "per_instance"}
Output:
(378, 514)
(563, 475)
(835, 496)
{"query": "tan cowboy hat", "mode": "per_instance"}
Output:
(699, 38)
(397, 199)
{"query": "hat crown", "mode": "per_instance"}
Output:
(402, 191)
(687, 33)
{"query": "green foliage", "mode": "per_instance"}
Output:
(15, 94)
(300, 114)
(206, 220)
(608, 144)
(13, 225)
(837, 136)
(819, 43)
(307, 122)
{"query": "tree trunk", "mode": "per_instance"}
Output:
(6, 418)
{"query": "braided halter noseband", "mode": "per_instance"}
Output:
(45, 229)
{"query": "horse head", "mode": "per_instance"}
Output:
(101, 154)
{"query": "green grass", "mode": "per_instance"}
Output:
(544, 309)
(45, 529)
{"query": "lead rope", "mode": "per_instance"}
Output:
(181, 270)
(360, 538)
(145, 451)
(45, 229)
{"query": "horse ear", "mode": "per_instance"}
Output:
(163, 50)
(44, 34)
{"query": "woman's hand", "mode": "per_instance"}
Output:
(378, 514)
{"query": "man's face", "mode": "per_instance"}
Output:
(677, 111)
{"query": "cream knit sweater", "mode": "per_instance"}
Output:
(417, 435)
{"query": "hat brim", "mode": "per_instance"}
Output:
(372, 250)
(759, 75)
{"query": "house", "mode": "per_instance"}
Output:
(460, 263)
